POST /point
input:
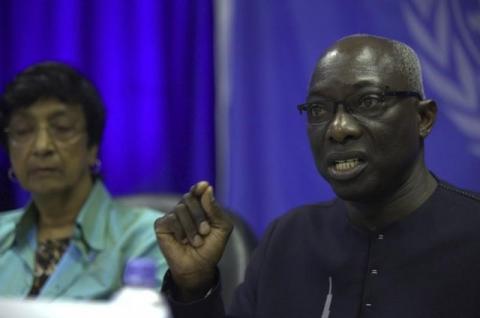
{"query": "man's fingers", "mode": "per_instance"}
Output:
(169, 225)
(199, 188)
(169, 239)
(197, 213)
(210, 205)
(184, 217)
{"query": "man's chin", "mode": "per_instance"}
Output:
(354, 191)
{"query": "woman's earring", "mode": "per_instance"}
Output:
(96, 167)
(11, 175)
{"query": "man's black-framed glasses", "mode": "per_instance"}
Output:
(365, 103)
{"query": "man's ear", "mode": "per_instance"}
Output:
(427, 111)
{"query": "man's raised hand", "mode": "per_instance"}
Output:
(192, 238)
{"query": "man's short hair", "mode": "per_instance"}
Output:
(406, 62)
(53, 80)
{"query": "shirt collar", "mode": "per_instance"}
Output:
(91, 222)
(17, 226)
(8, 230)
(93, 217)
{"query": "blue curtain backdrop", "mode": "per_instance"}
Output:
(152, 61)
(273, 48)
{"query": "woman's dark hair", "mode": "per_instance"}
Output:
(53, 80)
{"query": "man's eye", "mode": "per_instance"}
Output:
(369, 102)
(317, 110)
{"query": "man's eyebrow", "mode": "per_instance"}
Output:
(312, 96)
(365, 83)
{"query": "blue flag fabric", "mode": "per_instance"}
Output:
(268, 167)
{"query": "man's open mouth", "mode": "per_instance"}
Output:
(345, 165)
(345, 169)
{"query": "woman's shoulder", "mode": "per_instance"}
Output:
(131, 229)
(8, 222)
(11, 215)
(136, 213)
(131, 221)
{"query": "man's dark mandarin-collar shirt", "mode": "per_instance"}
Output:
(314, 263)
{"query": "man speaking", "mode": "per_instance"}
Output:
(396, 242)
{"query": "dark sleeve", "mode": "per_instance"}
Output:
(211, 306)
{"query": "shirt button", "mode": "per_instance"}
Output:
(380, 236)
(374, 272)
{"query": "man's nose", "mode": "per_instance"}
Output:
(42, 142)
(343, 126)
